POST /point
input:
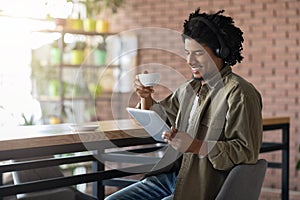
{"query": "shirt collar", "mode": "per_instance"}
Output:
(214, 81)
(218, 77)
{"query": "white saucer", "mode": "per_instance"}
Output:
(84, 127)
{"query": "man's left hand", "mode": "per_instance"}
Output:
(181, 141)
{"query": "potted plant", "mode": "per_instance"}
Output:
(100, 54)
(77, 53)
(101, 10)
(54, 53)
(28, 122)
(108, 8)
(92, 9)
(74, 22)
(95, 90)
(298, 162)
(54, 87)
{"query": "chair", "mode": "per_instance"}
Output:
(65, 193)
(244, 182)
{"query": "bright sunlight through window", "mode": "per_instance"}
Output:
(17, 20)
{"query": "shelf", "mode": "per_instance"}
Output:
(56, 99)
(85, 66)
(66, 73)
(78, 32)
(103, 96)
(47, 99)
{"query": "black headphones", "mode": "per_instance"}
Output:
(222, 52)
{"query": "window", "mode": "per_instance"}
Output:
(16, 43)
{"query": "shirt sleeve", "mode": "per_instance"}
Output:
(243, 132)
(166, 108)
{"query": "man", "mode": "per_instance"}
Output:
(216, 116)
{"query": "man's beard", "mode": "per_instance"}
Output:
(198, 79)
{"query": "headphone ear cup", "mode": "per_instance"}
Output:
(218, 52)
(223, 52)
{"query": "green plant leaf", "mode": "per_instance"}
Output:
(26, 121)
(298, 165)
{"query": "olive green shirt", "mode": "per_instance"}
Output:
(228, 117)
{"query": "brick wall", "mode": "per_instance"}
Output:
(271, 50)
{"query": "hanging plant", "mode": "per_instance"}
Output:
(112, 5)
(79, 45)
(298, 163)
(94, 8)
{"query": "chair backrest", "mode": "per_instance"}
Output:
(244, 182)
(35, 174)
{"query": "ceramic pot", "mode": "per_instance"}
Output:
(102, 26)
(75, 24)
(99, 57)
(77, 57)
(89, 25)
(55, 56)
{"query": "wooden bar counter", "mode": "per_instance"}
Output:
(49, 140)
(24, 137)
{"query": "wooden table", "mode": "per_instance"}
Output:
(25, 137)
(36, 141)
(283, 124)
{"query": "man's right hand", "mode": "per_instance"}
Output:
(143, 92)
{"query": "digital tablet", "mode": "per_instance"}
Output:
(150, 121)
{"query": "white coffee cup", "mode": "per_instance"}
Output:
(150, 79)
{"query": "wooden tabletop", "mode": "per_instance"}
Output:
(23, 137)
(275, 120)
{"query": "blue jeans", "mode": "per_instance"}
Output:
(151, 188)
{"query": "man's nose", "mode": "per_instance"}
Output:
(190, 59)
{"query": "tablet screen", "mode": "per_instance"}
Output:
(150, 121)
